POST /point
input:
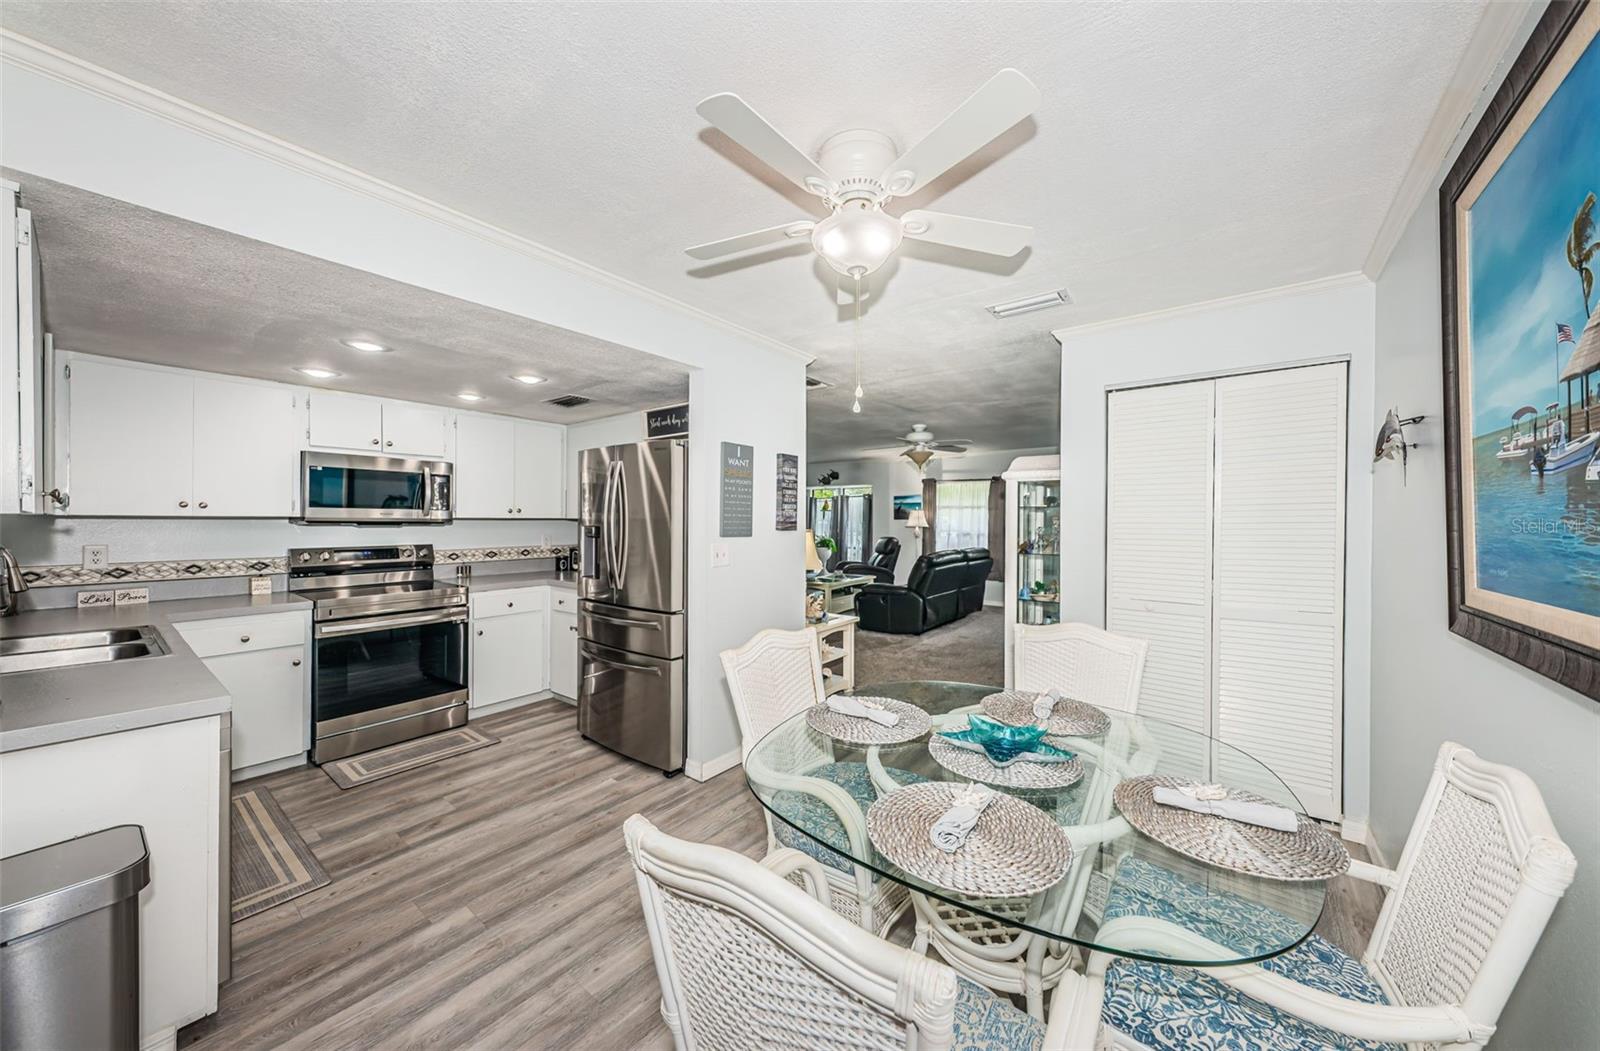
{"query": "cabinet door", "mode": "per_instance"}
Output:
(246, 457)
(270, 719)
(483, 473)
(344, 421)
(130, 440)
(413, 430)
(507, 657)
(564, 654)
(541, 470)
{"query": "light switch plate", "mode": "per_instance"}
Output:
(96, 556)
(132, 596)
(96, 598)
(260, 585)
(720, 556)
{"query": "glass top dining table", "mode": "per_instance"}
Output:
(1122, 888)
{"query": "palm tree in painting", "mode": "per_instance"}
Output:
(1582, 247)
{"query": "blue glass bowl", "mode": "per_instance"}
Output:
(1000, 741)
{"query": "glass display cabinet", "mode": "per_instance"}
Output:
(1033, 544)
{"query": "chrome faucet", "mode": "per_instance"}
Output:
(11, 582)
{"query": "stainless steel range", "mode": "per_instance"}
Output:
(389, 650)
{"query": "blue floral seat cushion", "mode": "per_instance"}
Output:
(817, 817)
(1179, 1008)
(985, 1022)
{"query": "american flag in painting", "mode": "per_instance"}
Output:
(1563, 334)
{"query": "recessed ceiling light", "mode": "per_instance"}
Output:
(527, 377)
(317, 374)
(366, 346)
(467, 395)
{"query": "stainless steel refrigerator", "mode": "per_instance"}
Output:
(631, 591)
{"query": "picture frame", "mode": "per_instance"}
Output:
(904, 505)
(1508, 588)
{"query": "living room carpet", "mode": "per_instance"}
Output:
(970, 650)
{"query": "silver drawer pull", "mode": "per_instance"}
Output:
(618, 664)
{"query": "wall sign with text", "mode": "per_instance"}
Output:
(669, 421)
(788, 514)
(738, 490)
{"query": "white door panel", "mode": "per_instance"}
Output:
(541, 488)
(130, 440)
(415, 431)
(484, 467)
(345, 421)
(246, 457)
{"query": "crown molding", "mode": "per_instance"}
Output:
(1320, 284)
(1502, 23)
(47, 61)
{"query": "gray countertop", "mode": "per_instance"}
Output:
(502, 581)
(66, 704)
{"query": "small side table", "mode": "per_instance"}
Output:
(836, 644)
(840, 591)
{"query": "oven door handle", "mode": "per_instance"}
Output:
(617, 664)
(356, 627)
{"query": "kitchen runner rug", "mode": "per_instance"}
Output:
(270, 862)
(407, 755)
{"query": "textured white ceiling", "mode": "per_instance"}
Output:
(131, 283)
(1183, 151)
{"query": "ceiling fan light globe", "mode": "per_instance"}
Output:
(857, 239)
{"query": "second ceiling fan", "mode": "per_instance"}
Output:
(857, 172)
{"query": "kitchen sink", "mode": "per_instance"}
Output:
(71, 648)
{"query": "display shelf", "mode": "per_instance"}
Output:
(1033, 540)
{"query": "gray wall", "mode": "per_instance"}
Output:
(1430, 686)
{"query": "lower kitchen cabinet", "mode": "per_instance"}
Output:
(262, 661)
(507, 657)
(564, 653)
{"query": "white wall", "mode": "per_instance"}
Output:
(1325, 320)
(86, 129)
(608, 430)
(1429, 686)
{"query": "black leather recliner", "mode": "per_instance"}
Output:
(885, 553)
(943, 587)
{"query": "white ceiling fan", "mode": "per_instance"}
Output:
(922, 444)
(857, 172)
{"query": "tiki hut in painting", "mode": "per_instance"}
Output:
(1582, 386)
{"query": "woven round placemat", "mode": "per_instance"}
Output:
(1068, 719)
(1020, 774)
(1014, 850)
(1310, 853)
(913, 723)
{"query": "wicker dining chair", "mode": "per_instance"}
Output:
(1084, 662)
(774, 676)
(1478, 879)
(746, 959)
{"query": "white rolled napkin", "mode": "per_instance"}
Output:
(1044, 705)
(852, 707)
(950, 832)
(1200, 801)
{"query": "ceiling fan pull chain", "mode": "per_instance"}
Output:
(855, 406)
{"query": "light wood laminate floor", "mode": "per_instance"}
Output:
(486, 901)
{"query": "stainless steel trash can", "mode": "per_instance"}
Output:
(69, 942)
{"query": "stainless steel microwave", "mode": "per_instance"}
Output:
(357, 489)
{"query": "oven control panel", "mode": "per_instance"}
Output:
(316, 559)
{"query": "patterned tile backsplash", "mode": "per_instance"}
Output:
(199, 568)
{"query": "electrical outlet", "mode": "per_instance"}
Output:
(132, 596)
(96, 556)
(96, 598)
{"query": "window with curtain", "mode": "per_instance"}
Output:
(963, 515)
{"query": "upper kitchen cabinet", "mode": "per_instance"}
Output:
(508, 468)
(374, 425)
(21, 359)
(206, 446)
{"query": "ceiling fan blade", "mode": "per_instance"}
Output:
(963, 231)
(946, 447)
(733, 116)
(1004, 99)
(753, 239)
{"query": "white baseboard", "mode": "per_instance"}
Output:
(161, 1040)
(705, 771)
(1354, 830)
(515, 702)
(272, 766)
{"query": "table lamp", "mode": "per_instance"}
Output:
(813, 562)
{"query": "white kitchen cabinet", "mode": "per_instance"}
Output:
(563, 643)
(263, 662)
(485, 476)
(130, 439)
(22, 366)
(509, 640)
(346, 421)
(413, 430)
(245, 461)
(541, 464)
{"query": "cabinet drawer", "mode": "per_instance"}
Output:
(511, 600)
(210, 638)
(562, 599)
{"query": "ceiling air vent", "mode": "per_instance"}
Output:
(569, 401)
(812, 383)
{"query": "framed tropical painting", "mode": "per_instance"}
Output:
(1520, 237)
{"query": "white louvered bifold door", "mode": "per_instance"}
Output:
(1158, 548)
(1278, 596)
